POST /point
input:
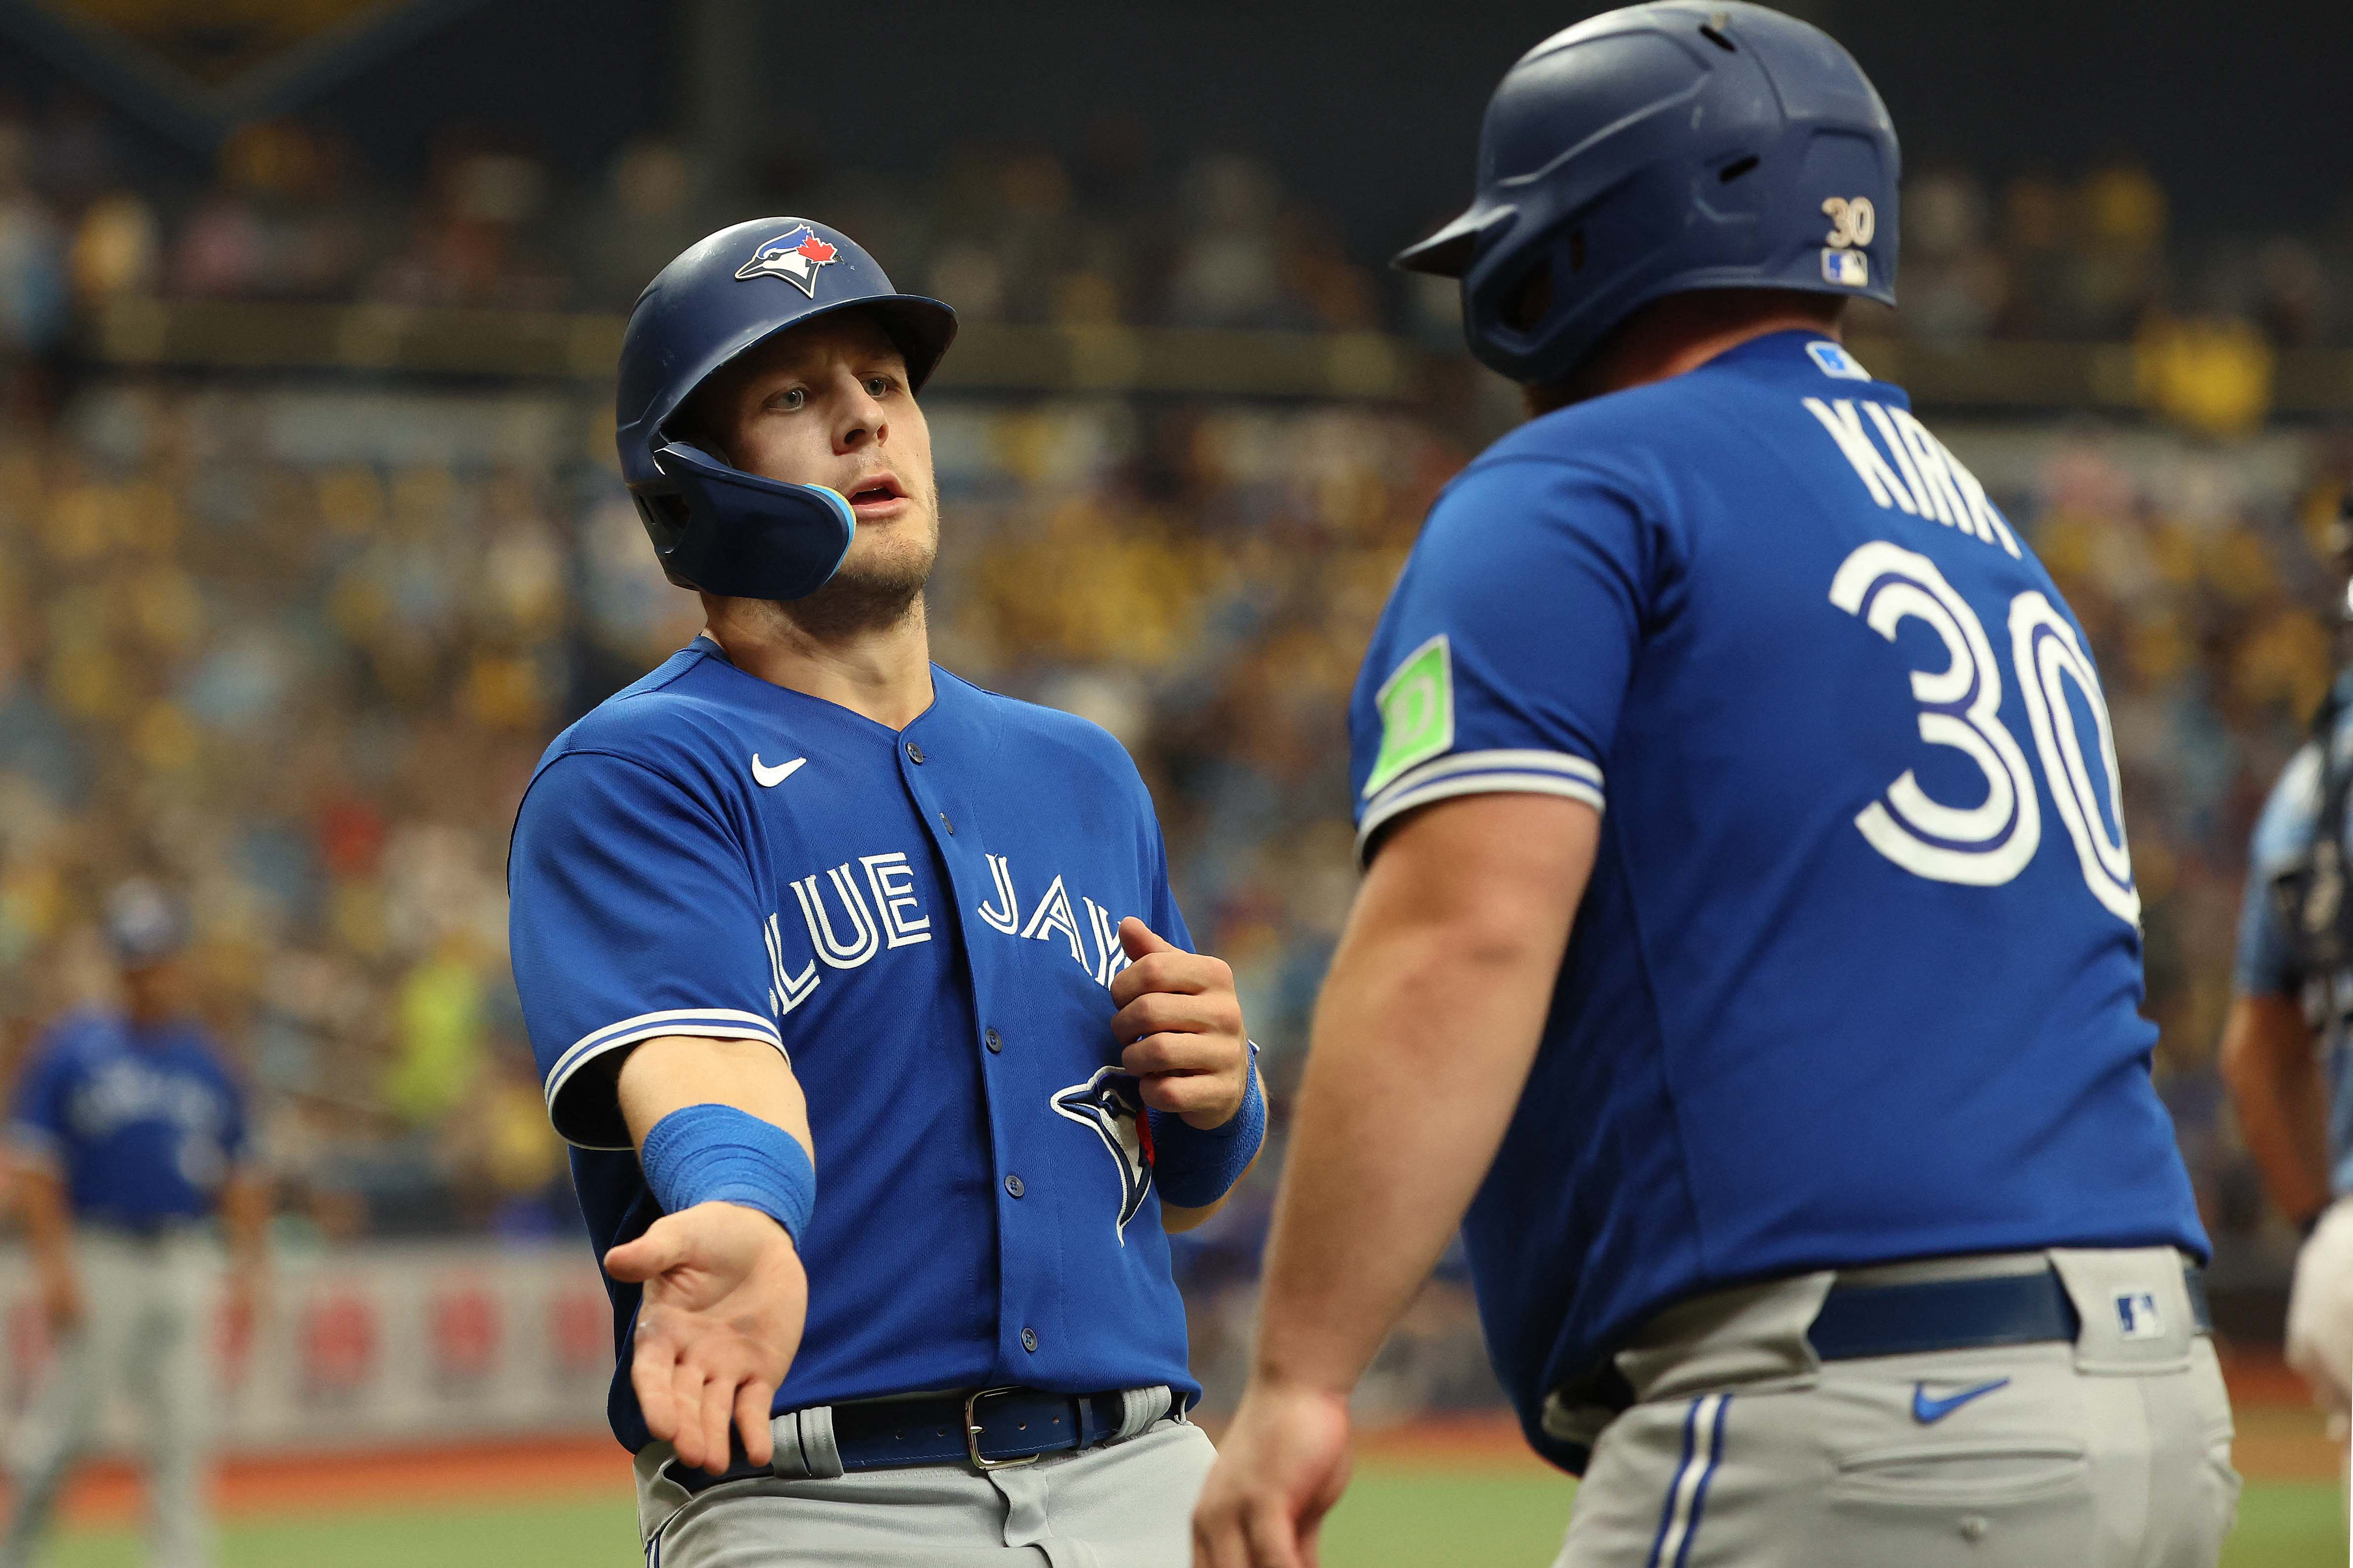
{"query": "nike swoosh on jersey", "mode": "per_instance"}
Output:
(1928, 1411)
(771, 777)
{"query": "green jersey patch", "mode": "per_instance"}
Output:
(1417, 706)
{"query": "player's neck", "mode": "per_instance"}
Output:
(1671, 357)
(881, 671)
(1676, 334)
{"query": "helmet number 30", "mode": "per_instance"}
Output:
(1853, 220)
(1988, 844)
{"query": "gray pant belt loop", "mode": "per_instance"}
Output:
(803, 1445)
(1146, 1406)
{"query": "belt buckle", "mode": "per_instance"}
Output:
(971, 1434)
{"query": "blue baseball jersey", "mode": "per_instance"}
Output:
(926, 923)
(1857, 974)
(142, 1122)
(2268, 961)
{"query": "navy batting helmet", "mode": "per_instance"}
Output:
(715, 527)
(1659, 149)
(144, 923)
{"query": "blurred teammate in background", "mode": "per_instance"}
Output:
(1820, 1207)
(2286, 1053)
(800, 895)
(128, 1135)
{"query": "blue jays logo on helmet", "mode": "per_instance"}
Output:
(794, 256)
(1108, 1105)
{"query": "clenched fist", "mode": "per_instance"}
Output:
(1181, 1025)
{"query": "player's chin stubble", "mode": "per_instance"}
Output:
(881, 590)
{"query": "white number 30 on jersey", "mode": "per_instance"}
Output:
(1988, 844)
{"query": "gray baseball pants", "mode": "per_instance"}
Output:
(1744, 1447)
(1124, 1505)
(143, 1331)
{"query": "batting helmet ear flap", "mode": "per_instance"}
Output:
(757, 538)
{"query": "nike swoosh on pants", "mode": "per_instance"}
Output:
(1928, 1411)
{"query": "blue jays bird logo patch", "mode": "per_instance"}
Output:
(794, 256)
(1110, 1106)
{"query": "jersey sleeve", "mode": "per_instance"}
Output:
(38, 1128)
(2265, 964)
(1502, 657)
(631, 914)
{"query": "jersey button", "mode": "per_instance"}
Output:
(996, 1042)
(915, 752)
(1013, 1184)
(1030, 1341)
(946, 824)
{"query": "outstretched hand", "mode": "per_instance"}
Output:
(725, 1299)
(1181, 1024)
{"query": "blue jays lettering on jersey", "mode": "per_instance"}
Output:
(142, 1121)
(1857, 974)
(2268, 961)
(926, 923)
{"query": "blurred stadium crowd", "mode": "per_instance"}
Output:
(1109, 235)
(295, 646)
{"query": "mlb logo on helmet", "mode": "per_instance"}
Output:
(794, 256)
(1847, 268)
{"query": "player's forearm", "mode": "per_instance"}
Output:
(2277, 1086)
(1419, 1055)
(676, 1071)
(48, 1226)
(1429, 1022)
(1177, 1218)
(245, 1216)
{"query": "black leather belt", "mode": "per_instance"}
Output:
(1858, 1321)
(989, 1430)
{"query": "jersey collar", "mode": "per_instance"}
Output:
(1805, 355)
(958, 709)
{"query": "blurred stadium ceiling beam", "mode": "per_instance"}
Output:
(194, 74)
(391, 338)
(992, 357)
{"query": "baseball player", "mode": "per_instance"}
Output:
(1819, 1203)
(800, 900)
(128, 1134)
(2284, 1048)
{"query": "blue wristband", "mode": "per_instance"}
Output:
(1195, 1166)
(716, 1153)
